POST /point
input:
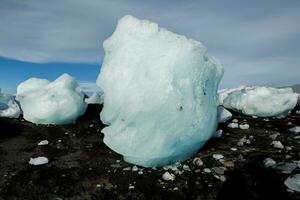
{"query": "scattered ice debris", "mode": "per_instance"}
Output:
(295, 129)
(131, 187)
(261, 101)
(293, 182)
(186, 168)
(95, 98)
(233, 125)
(197, 162)
(218, 133)
(45, 102)
(218, 156)
(233, 149)
(277, 144)
(285, 167)
(43, 142)
(134, 168)
(146, 84)
(228, 163)
(274, 136)
(8, 106)
(219, 170)
(207, 170)
(243, 140)
(223, 114)
(269, 162)
(244, 126)
(38, 161)
(168, 176)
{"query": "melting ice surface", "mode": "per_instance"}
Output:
(45, 102)
(8, 106)
(259, 101)
(160, 88)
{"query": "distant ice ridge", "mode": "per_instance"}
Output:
(259, 101)
(8, 106)
(45, 102)
(160, 101)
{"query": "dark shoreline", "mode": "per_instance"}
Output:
(82, 167)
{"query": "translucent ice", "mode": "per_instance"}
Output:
(45, 102)
(293, 182)
(260, 101)
(160, 101)
(8, 106)
(223, 114)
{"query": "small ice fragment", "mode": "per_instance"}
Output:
(274, 136)
(207, 170)
(233, 149)
(286, 167)
(218, 156)
(223, 114)
(135, 168)
(233, 125)
(235, 121)
(244, 126)
(43, 142)
(269, 162)
(38, 161)
(295, 129)
(293, 182)
(198, 162)
(277, 144)
(218, 133)
(168, 176)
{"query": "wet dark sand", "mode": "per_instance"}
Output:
(82, 167)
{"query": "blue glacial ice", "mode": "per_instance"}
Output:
(160, 101)
(45, 102)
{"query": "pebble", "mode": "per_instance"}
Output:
(277, 144)
(168, 176)
(207, 170)
(218, 156)
(219, 170)
(197, 162)
(269, 162)
(228, 163)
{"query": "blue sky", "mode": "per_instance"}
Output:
(256, 41)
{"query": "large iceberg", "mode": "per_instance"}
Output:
(260, 101)
(8, 106)
(160, 88)
(45, 102)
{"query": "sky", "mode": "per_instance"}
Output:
(256, 41)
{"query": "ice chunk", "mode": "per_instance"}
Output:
(168, 176)
(8, 106)
(95, 98)
(244, 126)
(295, 129)
(223, 114)
(269, 162)
(57, 102)
(43, 142)
(38, 161)
(293, 182)
(261, 101)
(160, 88)
(233, 125)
